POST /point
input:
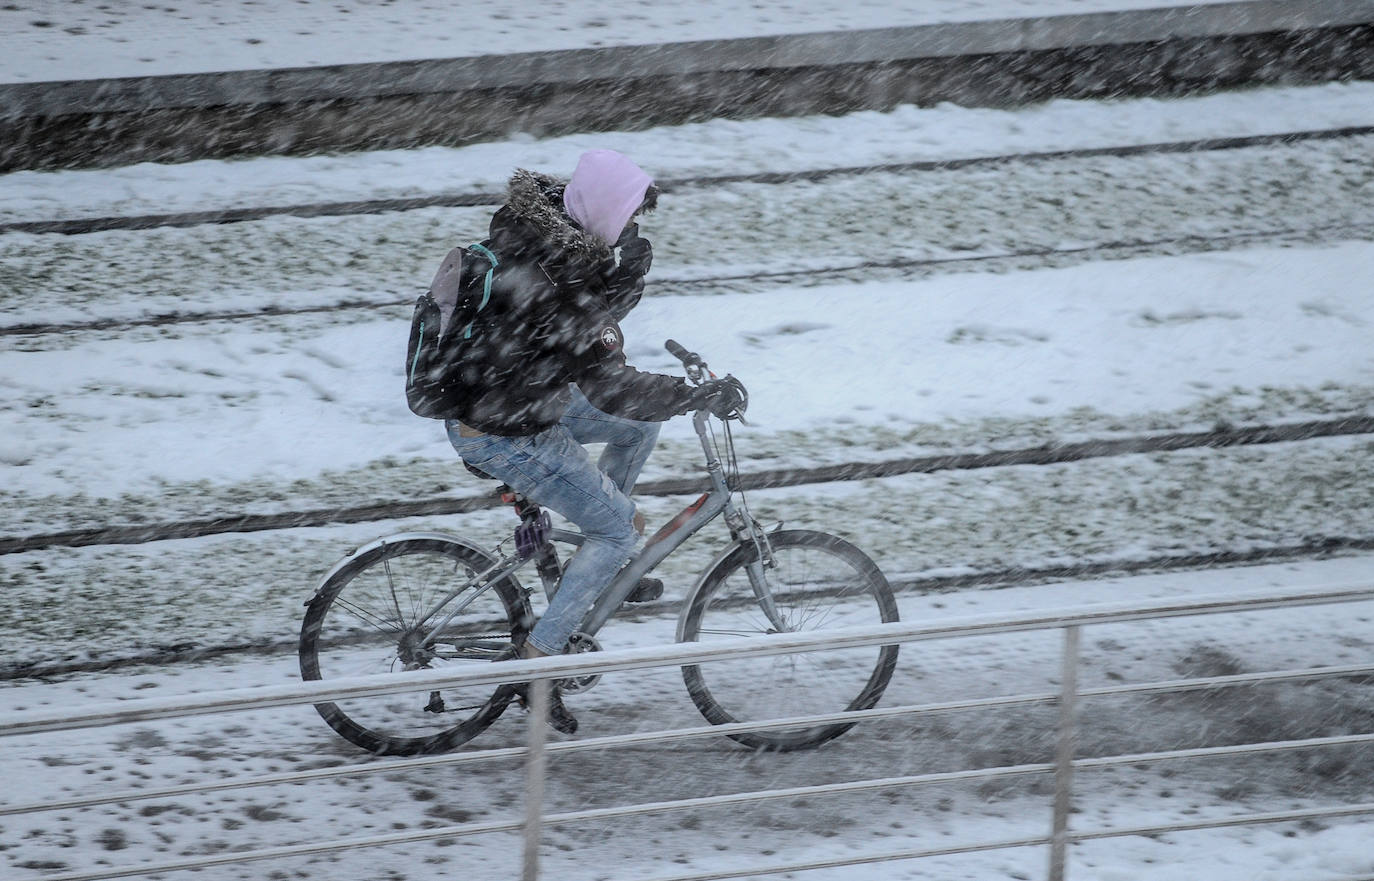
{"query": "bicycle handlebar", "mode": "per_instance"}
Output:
(697, 372)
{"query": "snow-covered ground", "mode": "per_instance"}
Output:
(243, 403)
(214, 418)
(1072, 349)
(42, 40)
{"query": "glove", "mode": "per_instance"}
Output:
(636, 254)
(724, 398)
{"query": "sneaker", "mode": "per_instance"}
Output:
(560, 717)
(646, 590)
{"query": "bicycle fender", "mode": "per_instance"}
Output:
(392, 539)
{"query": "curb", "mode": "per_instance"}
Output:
(525, 69)
(1168, 50)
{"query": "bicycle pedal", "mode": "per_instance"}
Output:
(647, 590)
(580, 642)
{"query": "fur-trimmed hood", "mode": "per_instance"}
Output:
(537, 200)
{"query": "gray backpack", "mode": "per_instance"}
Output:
(446, 319)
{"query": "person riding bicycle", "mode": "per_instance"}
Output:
(552, 372)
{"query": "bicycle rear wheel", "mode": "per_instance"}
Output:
(365, 620)
(818, 582)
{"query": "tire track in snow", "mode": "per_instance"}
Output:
(1015, 576)
(1220, 437)
(669, 286)
(81, 226)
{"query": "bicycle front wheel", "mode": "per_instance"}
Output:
(366, 619)
(816, 582)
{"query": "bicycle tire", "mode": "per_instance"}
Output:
(818, 581)
(358, 622)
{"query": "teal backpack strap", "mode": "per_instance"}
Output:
(486, 282)
(419, 346)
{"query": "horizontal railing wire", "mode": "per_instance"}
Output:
(1008, 844)
(631, 659)
(791, 793)
(1254, 819)
(855, 860)
(562, 666)
(678, 735)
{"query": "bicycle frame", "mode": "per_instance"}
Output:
(717, 500)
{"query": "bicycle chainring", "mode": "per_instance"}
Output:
(578, 643)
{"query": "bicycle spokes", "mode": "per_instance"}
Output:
(372, 616)
(815, 582)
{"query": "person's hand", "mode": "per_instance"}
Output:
(725, 398)
(636, 254)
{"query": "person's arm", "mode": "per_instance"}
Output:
(613, 386)
(625, 282)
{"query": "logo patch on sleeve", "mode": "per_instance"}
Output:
(610, 337)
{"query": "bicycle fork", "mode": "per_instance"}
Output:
(745, 530)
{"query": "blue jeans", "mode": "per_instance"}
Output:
(553, 469)
(628, 442)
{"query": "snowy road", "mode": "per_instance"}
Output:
(278, 413)
(72, 604)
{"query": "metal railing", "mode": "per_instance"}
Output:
(537, 752)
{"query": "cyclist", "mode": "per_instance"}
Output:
(553, 374)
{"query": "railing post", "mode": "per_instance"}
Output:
(534, 776)
(1063, 761)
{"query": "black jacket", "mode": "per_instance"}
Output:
(551, 320)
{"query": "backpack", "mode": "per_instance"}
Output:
(445, 322)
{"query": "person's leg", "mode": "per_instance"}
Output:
(628, 445)
(628, 441)
(554, 470)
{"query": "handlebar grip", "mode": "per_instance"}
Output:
(677, 351)
(691, 360)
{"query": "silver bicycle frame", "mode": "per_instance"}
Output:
(713, 503)
(717, 500)
(485, 579)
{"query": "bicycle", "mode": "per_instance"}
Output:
(418, 600)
